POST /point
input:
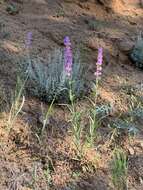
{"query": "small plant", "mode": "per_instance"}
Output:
(76, 124)
(48, 177)
(60, 13)
(136, 108)
(45, 116)
(12, 9)
(125, 126)
(17, 103)
(127, 123)
(93, 125)
(138, 113)
(94, 24)
(137, 53)
(75, 115)
(93, 122)
(34, 180)
(119, 169)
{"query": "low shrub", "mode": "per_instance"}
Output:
(47, 78)
(137, 53)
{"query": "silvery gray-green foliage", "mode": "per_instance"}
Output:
(103, 110)
(137, 113)
(47, 78)
(137, 53)
(129, 127)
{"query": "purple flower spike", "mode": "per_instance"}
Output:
(100, 56)
(98, 72)
(68, 59)
(67, 41)
(28, 40)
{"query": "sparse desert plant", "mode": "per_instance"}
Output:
(125, 126)
(46, 81)
(47, 78)
(93, 122)
(94, 24)
(119, 169)
(75, 115)
(77, 128)
(137, 53)
(136, 108)
(126, 123)
(96, 115)
(34, 178)
(48, 177)
(45, 116)
(17, 102)
(137, 113)
(12, 9)
(93, 125)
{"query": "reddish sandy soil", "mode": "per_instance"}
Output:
(116, 27)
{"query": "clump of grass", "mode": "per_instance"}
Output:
(46, 115)
(136, 108)
(94, 24)
(93, 122)
(76, 117)
(127, 123)
(96, 115)
(17, 102)
(48, 177)
(93, 126)
(119, 169)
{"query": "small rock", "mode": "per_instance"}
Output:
(126, 46)
(92, 44)
(141, 144)
(131, 151)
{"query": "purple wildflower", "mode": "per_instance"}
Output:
(68, 59)
(98, 72)
(28, 40)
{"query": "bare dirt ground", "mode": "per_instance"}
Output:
(23, 161)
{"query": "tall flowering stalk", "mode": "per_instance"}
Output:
(68, 63)
(28, 43)
(98, 72)
(75, 115)
(68, 58)
(28, 40)
(94, 123)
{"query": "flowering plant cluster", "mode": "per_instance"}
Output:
(50, 77)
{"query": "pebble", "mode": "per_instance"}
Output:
(131, 151)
